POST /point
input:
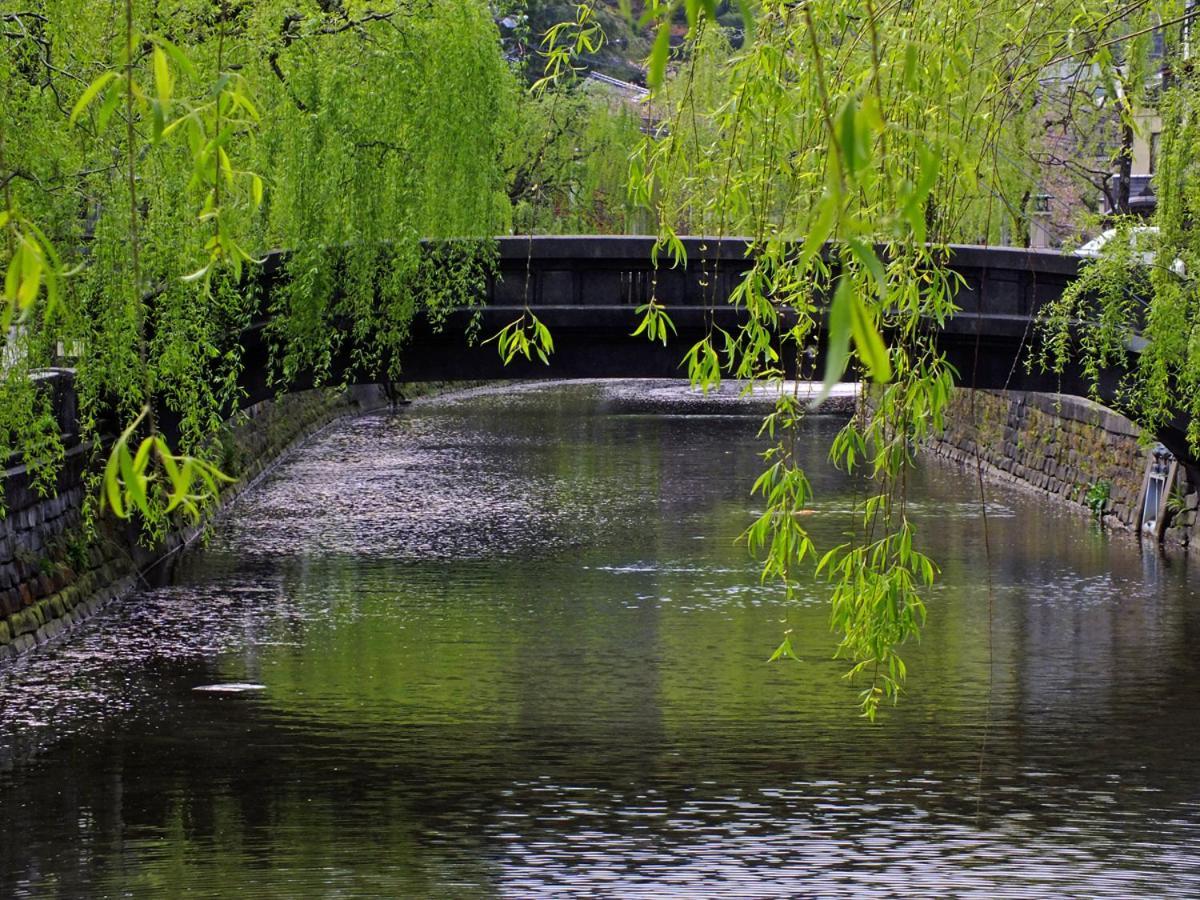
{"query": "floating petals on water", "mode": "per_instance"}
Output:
(232, 687)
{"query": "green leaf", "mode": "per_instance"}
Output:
(830, 557)
(178, 57)
(848, 137)
(89, 95)
(12, 278)
(218, 88)
(167, 460)
(784, 650)
(128, 475)
(112, 486)
(206, 475)
(197, 275)
(930, 166)
(244, 102)
(869, 260)
(869, 342)
(837, 348)
(819, 231)
(657, 66)
(31, 276)
(226, 166)
(46, 246)
(111, 100)
(162, 76)
(167, 132)
(911, 61)
(143, 455)
(645, 323)
(913, 209)
(182, 481)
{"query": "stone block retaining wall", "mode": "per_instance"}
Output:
(1058, 444)
(52, 574)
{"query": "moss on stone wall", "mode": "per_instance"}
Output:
(1062, 445)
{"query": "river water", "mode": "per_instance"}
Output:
(508, 645)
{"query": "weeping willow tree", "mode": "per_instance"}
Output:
(568, 162)
(1145, 283)
(853, 142)
(151, 157)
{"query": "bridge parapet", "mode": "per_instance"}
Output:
(621, 270)
(586, 290)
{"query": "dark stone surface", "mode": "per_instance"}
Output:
(1058, 444)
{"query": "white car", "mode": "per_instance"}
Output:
(1142, 239)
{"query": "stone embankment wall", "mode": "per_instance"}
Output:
(53, 573)
(1062, 445)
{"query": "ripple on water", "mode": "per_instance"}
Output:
(483, 665)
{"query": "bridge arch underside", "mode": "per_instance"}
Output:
(587, 290)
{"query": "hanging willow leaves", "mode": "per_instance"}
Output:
(34, 264)
(525, 336)
(655, 323)
(154, 481)
(163, 168)
(844, 139)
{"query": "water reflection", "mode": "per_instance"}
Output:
(510, 646)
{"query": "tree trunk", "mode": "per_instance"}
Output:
(1124, 170)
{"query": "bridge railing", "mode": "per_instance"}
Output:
(614, 271)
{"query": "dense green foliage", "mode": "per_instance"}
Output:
(1145, 283)
(151, 157)
(569, 163)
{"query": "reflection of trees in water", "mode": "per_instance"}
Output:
(1091, 649)
(417, 710)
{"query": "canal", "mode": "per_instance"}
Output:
(505, 643)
